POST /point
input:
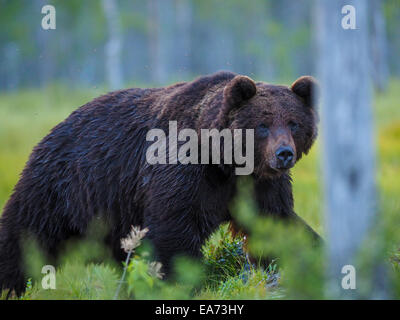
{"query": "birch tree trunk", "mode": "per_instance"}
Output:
(113, 46)
(349, 155)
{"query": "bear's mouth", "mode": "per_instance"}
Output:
(275, 171)
(280, 170)
(284, 169)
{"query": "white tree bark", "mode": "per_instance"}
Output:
(348, 147)
(113, 46)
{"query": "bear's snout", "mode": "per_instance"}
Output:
(284, 156)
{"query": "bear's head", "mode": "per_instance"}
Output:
(284, 120)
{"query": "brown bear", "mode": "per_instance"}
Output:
(94, 164)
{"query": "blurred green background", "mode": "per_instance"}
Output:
(158, 42)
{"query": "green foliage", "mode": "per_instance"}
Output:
(144, 283)
(230, 274)
(85, 269)
(224, 256)
(77, 281)
(298, 256)
(253, 284)
(140, 281)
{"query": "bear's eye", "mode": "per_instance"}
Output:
(263, 130)
(293, 126)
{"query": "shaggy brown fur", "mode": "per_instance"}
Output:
(93, 163)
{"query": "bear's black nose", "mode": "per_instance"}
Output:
(284, 156)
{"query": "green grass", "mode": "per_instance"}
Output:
(27, 116)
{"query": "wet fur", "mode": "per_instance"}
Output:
(93, 164)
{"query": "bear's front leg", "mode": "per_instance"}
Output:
(173, 233)
(274, 197)
(183, 205)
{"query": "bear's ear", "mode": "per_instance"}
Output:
(238, 90)
(307, 88)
